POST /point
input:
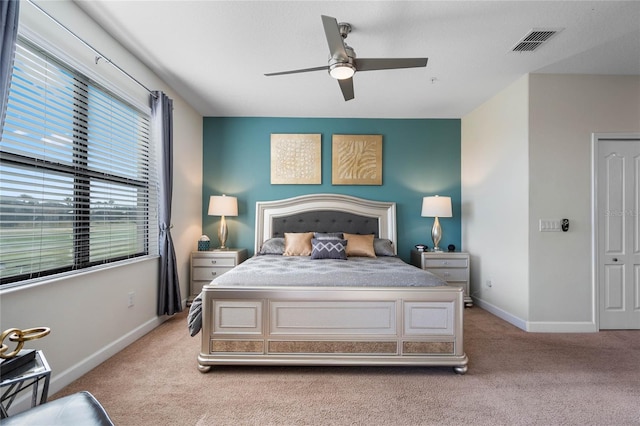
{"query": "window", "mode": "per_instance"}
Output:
(77, 173)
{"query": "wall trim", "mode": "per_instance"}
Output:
(561, 327)
(502, 314)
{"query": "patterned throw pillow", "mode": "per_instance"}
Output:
(328, 249)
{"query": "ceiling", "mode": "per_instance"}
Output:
(215, 53)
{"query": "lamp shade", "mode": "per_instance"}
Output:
(221, 205)
(436, 206)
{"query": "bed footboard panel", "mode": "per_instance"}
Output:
(332, 326)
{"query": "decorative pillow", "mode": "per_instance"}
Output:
(328, 249)
(297, 243)
(383, 247)
(328, 235)
(360, 245)
(272, 246)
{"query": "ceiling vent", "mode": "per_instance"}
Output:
(535, 38)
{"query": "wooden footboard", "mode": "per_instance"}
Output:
(332, 326)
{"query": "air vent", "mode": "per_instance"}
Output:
(535, 38)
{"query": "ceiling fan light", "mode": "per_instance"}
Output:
(342, 71)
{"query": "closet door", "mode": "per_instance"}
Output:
(618, 232)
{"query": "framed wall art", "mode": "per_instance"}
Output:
(296, 159)
(356, 160)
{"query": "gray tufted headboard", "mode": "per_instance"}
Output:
(325, 213)
(324, 221)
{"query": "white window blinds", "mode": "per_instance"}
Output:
(77, 173)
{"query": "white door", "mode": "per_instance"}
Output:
(618, 231)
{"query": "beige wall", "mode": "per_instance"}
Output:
(88, 313)
(565, 111)
(532, 167)
(495, 203)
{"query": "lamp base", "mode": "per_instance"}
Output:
(222, 233)
(436, 235)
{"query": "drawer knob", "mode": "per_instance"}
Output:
(213, 262)
(444, 262)
(213, 272)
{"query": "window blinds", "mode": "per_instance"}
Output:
(78, 185)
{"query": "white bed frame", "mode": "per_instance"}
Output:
(331, 325)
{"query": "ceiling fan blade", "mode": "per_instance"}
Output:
(336, 45)
(346, 86)
(372, 64)
(322, 68)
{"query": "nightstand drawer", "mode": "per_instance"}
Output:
(229, 262)
(449, 275)
(207, 274)
(433, 262)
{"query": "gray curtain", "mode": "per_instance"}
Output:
(8, 34)
(169, 300)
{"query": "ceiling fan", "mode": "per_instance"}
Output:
(343, 63)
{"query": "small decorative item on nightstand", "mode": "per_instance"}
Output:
(204, 244)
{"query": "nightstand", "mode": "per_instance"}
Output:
(207, 265)
(453, 267)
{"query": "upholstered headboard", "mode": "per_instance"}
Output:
(325, 213)
(324, 221)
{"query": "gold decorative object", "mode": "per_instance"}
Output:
(20, 336)
(296, 159)
(357, 160)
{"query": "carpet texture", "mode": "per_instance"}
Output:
(514, 378)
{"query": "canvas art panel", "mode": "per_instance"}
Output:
(296, 159)
(356, 160)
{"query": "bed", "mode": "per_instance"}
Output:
(380, 311)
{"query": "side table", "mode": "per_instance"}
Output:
(207, 265)
(31, 375)
(453, 267)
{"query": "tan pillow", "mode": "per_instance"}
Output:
(360, 245)
(297, 243)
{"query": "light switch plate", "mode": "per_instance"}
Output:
(550, 225)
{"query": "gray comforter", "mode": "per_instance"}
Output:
(303, 271)
(270, 271)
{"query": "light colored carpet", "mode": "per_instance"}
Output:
(514, 378)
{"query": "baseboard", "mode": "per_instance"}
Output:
(561, 327)
(538, 326)
(64, 378)
(500, 313)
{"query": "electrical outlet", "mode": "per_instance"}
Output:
(488, 283)
(132, 299)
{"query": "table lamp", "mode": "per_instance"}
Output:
(221, 205)
(436, 206)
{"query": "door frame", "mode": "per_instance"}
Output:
(595, 259)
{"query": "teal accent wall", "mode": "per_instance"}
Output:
(420, 157)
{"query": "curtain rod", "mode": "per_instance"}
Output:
(100, 55)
